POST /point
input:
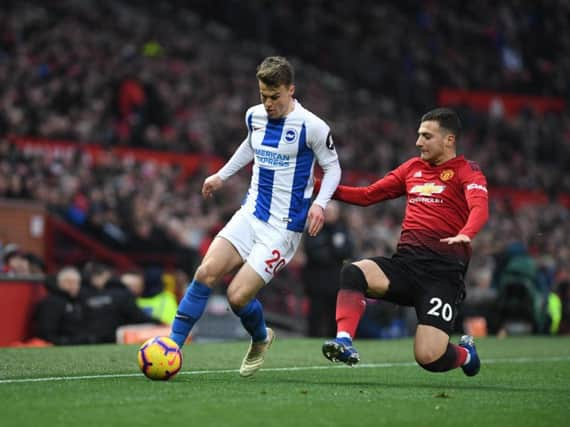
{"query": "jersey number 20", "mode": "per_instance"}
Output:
(446, 312)
(274, 264)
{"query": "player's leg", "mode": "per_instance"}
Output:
(436, 310)
(434, 352)
(358, 279)
(273, 250)
(241, 297)
(220, 259)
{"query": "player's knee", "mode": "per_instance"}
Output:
(207, 274)
(236, 299)
(432, 359)
(426, 356)
(352, 278)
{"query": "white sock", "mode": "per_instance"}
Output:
(343, 334)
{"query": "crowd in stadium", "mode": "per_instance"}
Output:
(178, 82)
(410, 48)
(167, 78)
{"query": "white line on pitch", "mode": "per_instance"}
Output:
(289, 369)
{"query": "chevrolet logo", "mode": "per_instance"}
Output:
(427, 189)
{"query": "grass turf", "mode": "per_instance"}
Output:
(523, 382)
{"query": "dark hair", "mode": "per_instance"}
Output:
(447, 119)
(94, 268)
(275, 71)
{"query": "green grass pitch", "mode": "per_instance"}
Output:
(523, 382)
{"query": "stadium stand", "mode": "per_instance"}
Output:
(169, 78)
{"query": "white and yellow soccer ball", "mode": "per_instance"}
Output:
(160, 358)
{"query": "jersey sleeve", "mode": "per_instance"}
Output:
(242, 156)
(320, 140)
(477, 196)
(329, 184)
(391, 186)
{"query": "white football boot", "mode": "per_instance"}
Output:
(255, 355)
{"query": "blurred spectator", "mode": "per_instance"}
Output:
(16, 262)
(409, 48)
(513, 249)
(553, 314)
(520, 303)
(384, 320)
(325, 254)
(60, 316)
(37, 264)
(176, 281)
(151, 297)
(106, 89)
(562, 291)
(108, 304)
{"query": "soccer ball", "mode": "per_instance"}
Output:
(160, 358)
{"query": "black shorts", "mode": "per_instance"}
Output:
(433, 286)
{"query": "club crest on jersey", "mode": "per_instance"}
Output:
(446, 174)
(427, 189)
(290, 135)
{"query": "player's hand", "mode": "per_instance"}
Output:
(460, 238)
(316, 219)
(211, 184)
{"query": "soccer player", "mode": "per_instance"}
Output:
(447, 205)
(283, 140)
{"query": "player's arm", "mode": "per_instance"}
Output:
(391, 186)
(478, 215)
(326, 156)
(388, 187)
(478, 203)
(329, 183)
(242, 157)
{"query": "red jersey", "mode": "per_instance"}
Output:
(442, 201)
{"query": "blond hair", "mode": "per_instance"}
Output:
(275, 71)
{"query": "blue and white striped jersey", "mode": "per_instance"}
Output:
(283, 153)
